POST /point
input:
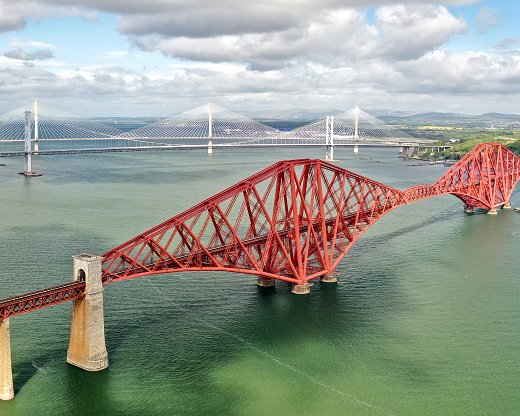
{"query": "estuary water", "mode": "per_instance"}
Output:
(425, 318)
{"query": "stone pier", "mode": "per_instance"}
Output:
(507, 205)
(492, 212)
(265, 282)
(301, 289)
(6, 372)
(331, 277)
(468, 209)
(87, 335)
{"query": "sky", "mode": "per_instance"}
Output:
(162, 57)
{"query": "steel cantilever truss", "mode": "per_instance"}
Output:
(293, 221)
(484, 178)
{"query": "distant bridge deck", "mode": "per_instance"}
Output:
(231, 146)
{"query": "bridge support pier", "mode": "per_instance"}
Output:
(6, 372)
(301, 289)
(507, 205)
(356, 149)
(265, 282)
(468, 209)
(492, 211)
(331, 277)
(87, 335)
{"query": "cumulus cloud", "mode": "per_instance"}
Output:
(36, 55)
(192, 18)
(339, 37)
(12, 16)
(267, 51)
(269, 54)
(271, 34)
(457, 74)
(15, 14)
(410, 32)
(438, 79)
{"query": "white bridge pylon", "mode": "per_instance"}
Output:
(351, 128)
(54, 130)
(208, 121)
(52, 123)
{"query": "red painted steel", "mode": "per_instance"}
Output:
(40, 299)
(484, 178)
(293, 221)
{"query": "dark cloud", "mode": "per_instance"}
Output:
(340, 37)
(192, 18)
(217, 20)
(11, 22)
(36, 55)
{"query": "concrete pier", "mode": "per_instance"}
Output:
(265, 282)
(409, 151)
(492, 212)
(87, 335)
(303, 289)
(507, 205)
(6, 372)
(331, 277)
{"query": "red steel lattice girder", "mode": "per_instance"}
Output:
(293, 221)
(40, 299)
(484, 178)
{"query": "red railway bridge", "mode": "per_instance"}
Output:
(293, 221)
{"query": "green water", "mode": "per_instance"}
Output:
(424, 320)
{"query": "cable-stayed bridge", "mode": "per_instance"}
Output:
(206, 121)
(42, 129)
(52, 130)
(352, 128)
